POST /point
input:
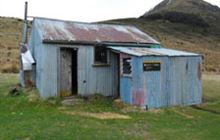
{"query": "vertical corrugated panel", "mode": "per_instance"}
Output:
(36, 48)
(143, 88)
(177, 83)
(45, 72)
(82, 65)
(153, 86)
(126, 82)
(185, 84)
(164, 82)
(137, 82)
(49, 68)
(93, 79)
(131, 87)
(126, 89)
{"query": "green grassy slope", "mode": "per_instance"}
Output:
(27, 117)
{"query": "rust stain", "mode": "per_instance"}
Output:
(138, 97)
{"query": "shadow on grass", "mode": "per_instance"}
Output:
(206, 110)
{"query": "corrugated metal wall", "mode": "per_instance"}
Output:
(155, 83)
(185, 80)
(44, 74)
(49, 71)
(177, 83)
(96, 79)
(36, 48)
(91, 79)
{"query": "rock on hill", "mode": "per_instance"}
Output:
(190, 25)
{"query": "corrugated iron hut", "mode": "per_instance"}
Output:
(112, 60)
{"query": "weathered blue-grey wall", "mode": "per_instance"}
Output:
(91, 79)
(177, 83)
(96, 79)
(44, 74)
(185, 80)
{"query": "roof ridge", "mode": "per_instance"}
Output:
(88, 23)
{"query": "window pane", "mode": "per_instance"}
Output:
(101, 54)
(127, 69)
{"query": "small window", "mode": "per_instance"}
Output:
(101, 55)
(126, 66)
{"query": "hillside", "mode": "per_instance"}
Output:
(190, 25)
(10, 36)
(191, 12)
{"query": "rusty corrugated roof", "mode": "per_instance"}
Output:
(67, 31)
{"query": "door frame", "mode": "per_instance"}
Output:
(60, 74)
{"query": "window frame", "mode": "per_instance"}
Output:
(99, 63)
(122, 67)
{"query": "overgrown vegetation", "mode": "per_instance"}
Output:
(26, 116)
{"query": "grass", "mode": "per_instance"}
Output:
(27, 117)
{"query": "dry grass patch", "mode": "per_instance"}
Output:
(101, 115)
(183, 114)
(9, 68)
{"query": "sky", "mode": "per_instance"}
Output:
(80, 10)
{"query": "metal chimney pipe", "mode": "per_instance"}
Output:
(25, 30)
(25, 11)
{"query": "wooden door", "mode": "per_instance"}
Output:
(65, 72)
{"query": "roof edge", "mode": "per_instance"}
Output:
(132, 44)
(80, 22)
